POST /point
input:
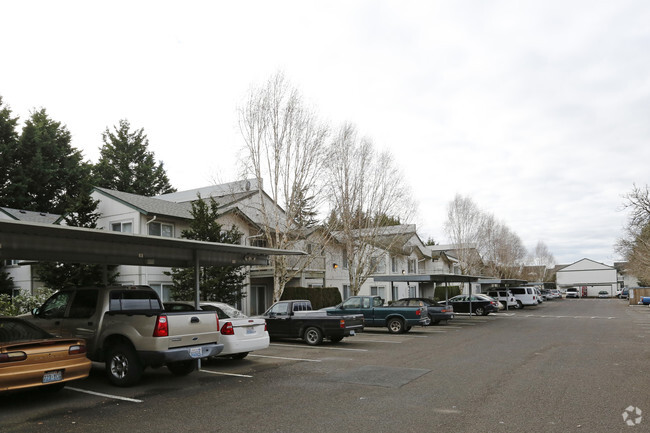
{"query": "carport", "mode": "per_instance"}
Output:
(428, 281)
(46, 242)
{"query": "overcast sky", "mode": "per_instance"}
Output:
(539, 111)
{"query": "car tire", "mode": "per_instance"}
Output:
(241, 355)
(395, 326)
(123, 366)
(182, 368)
(520, 305)
(336, 339)
(479, 311)
(407, 328)
(313, 336)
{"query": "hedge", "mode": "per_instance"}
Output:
(320, 297)
(439, 292)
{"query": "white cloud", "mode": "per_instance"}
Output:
(536, 110)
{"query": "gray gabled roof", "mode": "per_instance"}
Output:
(149, 205)
(30, 216)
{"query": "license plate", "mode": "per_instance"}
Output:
(52, 376)
(250, 331)
(196, 352)
(351, 332)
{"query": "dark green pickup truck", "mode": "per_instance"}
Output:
(396, 319)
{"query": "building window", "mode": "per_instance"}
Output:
(412, 291)
(258, 242)
(123, 227)
(164, 290)
(161, 229)
(377, 291)
(412, 266)
(377, 265)
(394, 265)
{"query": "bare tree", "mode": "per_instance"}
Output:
(501, 249)
(463, 226)
(365, 190)
(284, 149)
(634, 246)
(541, 259)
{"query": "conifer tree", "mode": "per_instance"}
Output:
(43, 172)
(125, 163)
(217, 283)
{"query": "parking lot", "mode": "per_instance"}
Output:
(567, 365)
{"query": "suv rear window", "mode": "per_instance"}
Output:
(126, 300)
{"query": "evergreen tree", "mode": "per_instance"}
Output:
(45, 173)
(216, 283)
(6, 284)
(125, 163)
(8, 141)
(305, 215)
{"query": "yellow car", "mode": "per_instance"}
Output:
(31, 357)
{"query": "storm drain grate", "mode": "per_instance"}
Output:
(389, 377)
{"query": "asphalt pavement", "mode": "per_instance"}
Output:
(567, 365)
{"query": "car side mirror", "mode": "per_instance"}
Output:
(36, 312)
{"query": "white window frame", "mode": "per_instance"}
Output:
(122, 224)
(378, 291)
(161, 224)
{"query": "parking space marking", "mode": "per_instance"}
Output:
(285, 358)
(221, 373)
(380, 341)
(319, 347)
(542, 316)
(99, 394)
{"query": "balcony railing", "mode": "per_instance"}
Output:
(306, 263)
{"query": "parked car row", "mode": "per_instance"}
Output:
(50, 347)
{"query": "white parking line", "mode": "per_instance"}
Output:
(287, 359)
(114, 397)
(379, 341)
(220, 373)
(319, 347)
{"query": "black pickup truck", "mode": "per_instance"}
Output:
(296, 319)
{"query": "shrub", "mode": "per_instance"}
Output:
(23, 303)
(439, 292)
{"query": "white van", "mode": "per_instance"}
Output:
(525, 296)
(505, 297)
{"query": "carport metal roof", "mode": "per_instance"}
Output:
(46, 242)
(507, 282)
(427, 278)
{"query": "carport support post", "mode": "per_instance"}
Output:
(470, 298)
(197, 275)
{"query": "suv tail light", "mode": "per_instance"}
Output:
(161, 329)
(227, 329)
(341, 323)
